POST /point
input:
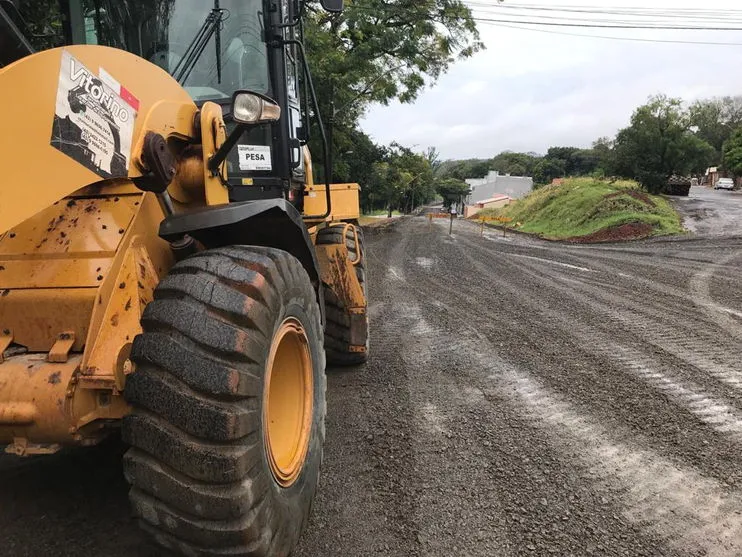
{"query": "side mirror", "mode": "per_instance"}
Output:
(334, 6)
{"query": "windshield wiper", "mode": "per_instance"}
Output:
(212, 25)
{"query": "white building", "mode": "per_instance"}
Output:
(495, 184)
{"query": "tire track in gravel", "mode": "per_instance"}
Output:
(498, 455)
(700, 286)
(712, 351)
(648, 411)
(718, 413)
(674, 289)
(615, 389)
(664, 277)
(708, 351)
(455, 510)
(695, 513)
(665, 286)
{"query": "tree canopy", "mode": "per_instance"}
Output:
(452, 191)
(659, 143)
(714, 120)
(377, 51)
(732, 149)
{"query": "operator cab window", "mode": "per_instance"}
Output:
(161, 31)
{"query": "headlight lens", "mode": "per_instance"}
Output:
(251, 108)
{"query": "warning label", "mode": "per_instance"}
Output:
(254, 157)
(93, 119)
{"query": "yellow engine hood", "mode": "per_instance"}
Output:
(108, 97)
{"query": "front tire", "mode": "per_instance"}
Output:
(228, 400)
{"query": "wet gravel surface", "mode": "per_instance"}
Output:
(528, 398)
(711, 212)
(523, 398)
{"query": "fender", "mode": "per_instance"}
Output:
(272, 223)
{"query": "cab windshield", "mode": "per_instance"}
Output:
(162, 30)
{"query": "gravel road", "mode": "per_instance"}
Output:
(711, 212)
(523, 398)
(527, 398)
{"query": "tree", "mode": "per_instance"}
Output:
(603, 149)
(659, 143)
(402, 179)
(452, 191)
(515, 164)
(417, 176)
(386, 185)
(434, 158)
(576, 161)
(547, 169)
(464, 169)
(714, 120)
(377, 51)
(733, 153)
(706, 117)
(354, 161)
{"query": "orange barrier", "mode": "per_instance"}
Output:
(495, 219)
(502, 220)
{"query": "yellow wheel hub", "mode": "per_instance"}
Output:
(288, 402)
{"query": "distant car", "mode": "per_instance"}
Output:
(724, 184)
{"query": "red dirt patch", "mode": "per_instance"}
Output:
(638, 195)
(623, 233)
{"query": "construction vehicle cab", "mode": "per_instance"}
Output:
(168, 267)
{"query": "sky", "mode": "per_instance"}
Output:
(529, 90)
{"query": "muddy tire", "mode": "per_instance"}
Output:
(337, 318)
(221, 461)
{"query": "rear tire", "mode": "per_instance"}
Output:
(337, 318)
(212, 470)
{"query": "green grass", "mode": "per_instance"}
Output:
(583, 206)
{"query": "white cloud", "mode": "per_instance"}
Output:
(530, 90)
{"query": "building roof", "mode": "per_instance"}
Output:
(500, 197)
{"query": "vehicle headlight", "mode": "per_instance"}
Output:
(254, 108)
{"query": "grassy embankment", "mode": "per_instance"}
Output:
(585, 209)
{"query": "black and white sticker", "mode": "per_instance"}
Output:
(93, 119)
(254, 157)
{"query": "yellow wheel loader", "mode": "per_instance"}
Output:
(168, 267)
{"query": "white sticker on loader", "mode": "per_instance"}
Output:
(93, 119)
(254, 157)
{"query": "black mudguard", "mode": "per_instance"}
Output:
(272, 223)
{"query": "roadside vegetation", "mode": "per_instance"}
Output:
(666, 136)
(588, 209)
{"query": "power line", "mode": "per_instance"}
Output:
(605, 17)
(605, 26)
(651, 24)
(521, 24)
(636, 15)
(604, 9)
(634, 39)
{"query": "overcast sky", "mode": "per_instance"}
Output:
(530, 90)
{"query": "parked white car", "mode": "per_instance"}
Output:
(724, 184)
